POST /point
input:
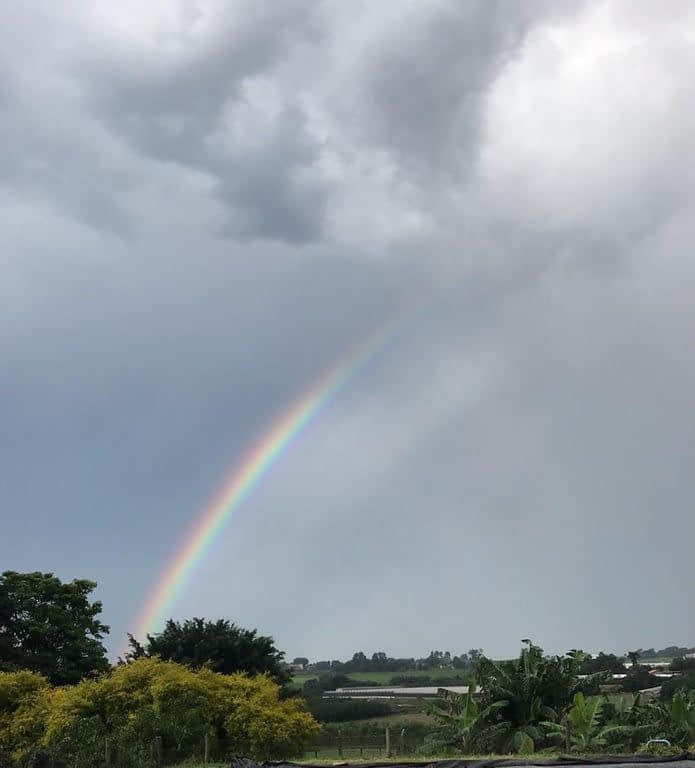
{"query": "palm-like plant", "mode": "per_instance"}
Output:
(534, 690)
(582, 726)
(682, 715)
(463, 724)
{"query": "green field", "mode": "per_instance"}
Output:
(383, 678)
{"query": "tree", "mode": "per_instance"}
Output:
(682, 664)
(220, 645)
(50, 627)
(300, 661)
(634, 656)
(604, 662)
(639, 678)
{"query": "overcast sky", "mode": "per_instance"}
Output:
(204, 203)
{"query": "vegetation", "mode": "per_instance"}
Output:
(212, 681)
(50, 627)
(464, 725)
(218, 645)
(145, 702)
(540, 701)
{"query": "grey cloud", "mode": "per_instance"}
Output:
(427, 84)
(180, 113)
(525, 438)
(51, 156)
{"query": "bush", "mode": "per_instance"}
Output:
(24, 698)
(149, 699)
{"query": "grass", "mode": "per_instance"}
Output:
(538, 758)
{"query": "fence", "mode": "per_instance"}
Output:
(389, 743)
(210, 750)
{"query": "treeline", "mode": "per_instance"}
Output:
(381, 662)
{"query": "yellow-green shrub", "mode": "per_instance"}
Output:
(24, 703)
(147, 699)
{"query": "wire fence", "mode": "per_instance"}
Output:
(210, 751)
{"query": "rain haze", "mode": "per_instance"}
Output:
(206, 204)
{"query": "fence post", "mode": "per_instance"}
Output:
(158, 751)
(107, 753)
(402, 741)
(206, 749)
(340, 743)
(388, 741)
(568, 740)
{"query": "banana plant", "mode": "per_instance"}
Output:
(582, 727)
(463, 723)
(681, 713)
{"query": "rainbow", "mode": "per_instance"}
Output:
(254, 465)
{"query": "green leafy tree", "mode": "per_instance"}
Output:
(682, 664)
(50, 627)
(219, 645)
(639, 678)
(603, 662)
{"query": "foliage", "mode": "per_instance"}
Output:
(146, 700)
(381, 662)
(582, 727)
(23, 702)
(638, 719)
(50, 627)
(682, 664)
(257, 720)
(535, 689)
(603, 662)
(638, 679)
(680, 716)
(673, 684)
(219, 645)
(462, 723)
